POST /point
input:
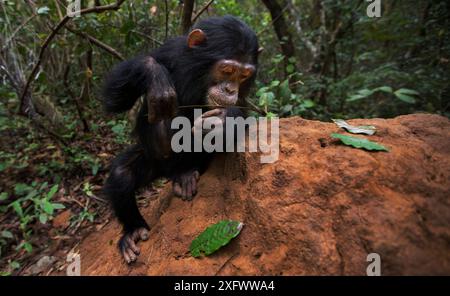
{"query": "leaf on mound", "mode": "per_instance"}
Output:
(214, 237)
(359, 142)
(363, 129)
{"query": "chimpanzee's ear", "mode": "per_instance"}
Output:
(260, 50)
(196, 37)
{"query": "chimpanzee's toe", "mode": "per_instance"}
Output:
(127, 244)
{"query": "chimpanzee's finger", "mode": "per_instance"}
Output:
(143, 234)
(127, 253)
(183, 190)
(189, 188)
(177, 190)
(193, 185)
(196, 175)
(198, 124)
(125, 256)
(131, 255)
(213, 112)
(131, 243)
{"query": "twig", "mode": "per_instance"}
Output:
(102, 200)
(167, 19)
(256, 108)
(75, 99)
(66, 19)
(98, 43)
(273, 21)
(252, 107)
(148, 37)
(204, 8)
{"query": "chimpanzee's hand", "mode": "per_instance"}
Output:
(185, 184)
(161, 96)
(214, 118)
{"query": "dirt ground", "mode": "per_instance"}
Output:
(319, 210)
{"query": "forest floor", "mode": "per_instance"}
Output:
(320, 209)
(34, 239)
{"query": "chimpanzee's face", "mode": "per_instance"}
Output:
(226, 79)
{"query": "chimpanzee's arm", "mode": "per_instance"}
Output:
(136, 77)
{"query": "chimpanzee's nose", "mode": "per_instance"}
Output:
(231, 90)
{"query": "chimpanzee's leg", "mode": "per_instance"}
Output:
(129, 171)
(190, 166)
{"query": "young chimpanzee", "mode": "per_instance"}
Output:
(214, 65)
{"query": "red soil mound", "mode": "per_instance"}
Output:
(320, 210)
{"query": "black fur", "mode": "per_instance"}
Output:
(188, 70)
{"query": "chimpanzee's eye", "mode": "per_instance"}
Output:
(246, 73)
(228, 70)
(244, 77)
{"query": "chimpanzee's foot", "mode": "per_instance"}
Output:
(127, 243)
(185, 185)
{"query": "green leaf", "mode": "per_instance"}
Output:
(58, 206)
(43, 218)
(405, 98)
(118, 128)
(3, 196)
(7, 234)
(43, 10)
(365, 92)
(266, 98)
(386, 89)
(17, 208)
(214, 237)
(407, 91)
(287, 108)
(52, 191)
(355, 98)
(308, 103)
(48, 207)
(285, 91)
(359, 142)
(366, 129)
(31, 194)
(14, 265)
(262, 90)
(28, 247)
(290, 68)
(95, 168)
(21, 189)
(275, 83)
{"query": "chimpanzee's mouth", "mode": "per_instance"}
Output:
(214, 102)
(219, 102)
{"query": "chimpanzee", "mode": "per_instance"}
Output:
(214, 65)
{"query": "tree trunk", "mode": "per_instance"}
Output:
(188, 7)
(281, 28)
